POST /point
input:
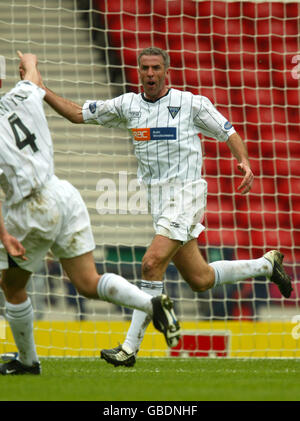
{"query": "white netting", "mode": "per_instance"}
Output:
(244, 57)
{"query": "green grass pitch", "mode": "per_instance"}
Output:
(158, 379)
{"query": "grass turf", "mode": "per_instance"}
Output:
(158, 379)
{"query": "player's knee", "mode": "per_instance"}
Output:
(87, 287)
(201, 286)
(87, 292)
(151, 264)
(201, 282)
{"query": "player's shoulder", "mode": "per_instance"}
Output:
(25, 88)
(188, 98)
(127, 100)
(186, 95)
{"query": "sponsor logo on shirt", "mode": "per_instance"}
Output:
(157, 133)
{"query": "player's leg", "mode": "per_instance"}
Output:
(202, 276)
(193, 267)
(82, 272)
(158, 256)
(154, 265)
(113, 288)
(19, 314)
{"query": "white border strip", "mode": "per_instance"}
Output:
(2, 68)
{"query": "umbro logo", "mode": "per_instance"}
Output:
(174, 111)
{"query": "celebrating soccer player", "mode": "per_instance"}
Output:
(164, 124)
(41, 212)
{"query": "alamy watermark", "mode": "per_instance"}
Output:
(126, 195)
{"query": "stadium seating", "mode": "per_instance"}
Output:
(240, 57)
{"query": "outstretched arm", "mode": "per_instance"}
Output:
(239, 151)
(66, 108)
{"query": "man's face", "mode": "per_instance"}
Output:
(153, 74)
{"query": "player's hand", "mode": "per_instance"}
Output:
(28, 68)
(247, 181)
(27, 62)
(21, 68)
(13, 246)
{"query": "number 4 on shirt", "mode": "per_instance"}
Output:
(29, 139)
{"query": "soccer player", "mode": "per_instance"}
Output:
(164, 124)
(41, 212)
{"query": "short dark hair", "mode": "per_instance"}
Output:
(155, 51)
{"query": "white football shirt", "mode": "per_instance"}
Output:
(164, 132)
(26, 157)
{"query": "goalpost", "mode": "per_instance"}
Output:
(242, 55)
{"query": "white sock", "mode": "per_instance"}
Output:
(20, 318)
(115, 289)
(140, 320)
(230, 271)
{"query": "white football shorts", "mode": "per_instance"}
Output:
(178, 209)
(54, 218)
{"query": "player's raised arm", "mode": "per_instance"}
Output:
(239, 151)
(28, 68)
(66, 108)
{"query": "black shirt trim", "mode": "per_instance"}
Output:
(149, 100)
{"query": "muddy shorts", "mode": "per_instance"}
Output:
(53, 218)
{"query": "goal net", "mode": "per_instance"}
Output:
(242, 55)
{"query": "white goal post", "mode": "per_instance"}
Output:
(244, 56)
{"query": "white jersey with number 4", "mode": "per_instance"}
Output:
(164, 132)
(26, 157)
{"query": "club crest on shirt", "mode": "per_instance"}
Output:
(174, 111)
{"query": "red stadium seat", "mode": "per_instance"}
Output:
(189, 8)
(278, 96)
(257, 239)
(204, 8)
(176, 78)
(167, 8)
(249, 78)
(253, 148)
(209, 148)
(175, 25)
(140, 7)
(229, 10)
(263, 186)
(213, 186)
(192, 78)
(293, 185)
(241, 237)
(176, 59)
(293, 10)
(204, 25)
(219, 212)
(283, 79)
(293, 97)
(221, 96)
(159, 23)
